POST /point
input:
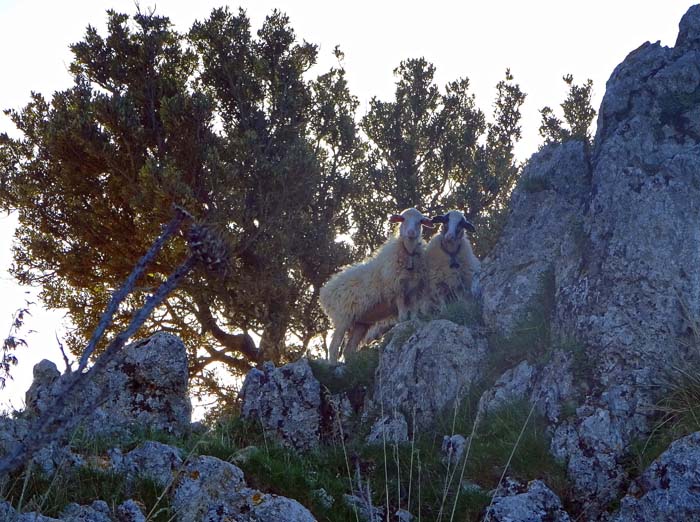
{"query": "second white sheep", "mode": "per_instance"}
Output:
(453, 269)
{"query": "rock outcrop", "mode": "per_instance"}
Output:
(286, 401)
(145, 388)
(543, 237)
(668, 490)
(533, 502)
(602, 239)
(425, 368)
(618, 230)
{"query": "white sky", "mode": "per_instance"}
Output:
(540, 40)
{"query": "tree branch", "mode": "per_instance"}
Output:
(241, 343)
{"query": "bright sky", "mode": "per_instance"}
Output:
(540, 41)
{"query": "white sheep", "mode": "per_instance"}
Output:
(453, 269)
(385, 284)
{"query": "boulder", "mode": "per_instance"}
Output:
(9, 514)
(550, 387)
(206, 484)
(532, 502)
(426, 367)
(286, 401)
(515, 384)
(214, 491)
(98, 511)
(668, 490)
(365, 511)
(145, 387)
(130, 511)
(452, 449)
(153, 460)
(391, 429)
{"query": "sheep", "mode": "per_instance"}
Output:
(453, 269)
(387, 283)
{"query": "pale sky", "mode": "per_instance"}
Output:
(539, 40)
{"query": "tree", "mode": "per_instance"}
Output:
(219, 121)
(436, 150)
(578, 115)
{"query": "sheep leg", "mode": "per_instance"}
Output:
(336, 341)
(357, 332)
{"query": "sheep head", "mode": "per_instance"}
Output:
(410, 230)
(453, 226)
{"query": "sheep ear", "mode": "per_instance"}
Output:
(439, 219)
(396, 218)
(427, 223)
(468, 225)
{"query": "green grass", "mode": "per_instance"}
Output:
(677, 410)
(677, 414)
(31, 491)
(417, 467)
(358, 371)
(530, 341)
(465, 312)
(412, 476)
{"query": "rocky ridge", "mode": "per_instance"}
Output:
(602, 243)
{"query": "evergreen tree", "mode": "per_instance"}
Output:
(219, 121)
(436, 151)
(578, 115)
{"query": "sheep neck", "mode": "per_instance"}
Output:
(453, 255)
(410, 263)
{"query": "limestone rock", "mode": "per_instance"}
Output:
(207, 482)
(426, 367)
(542, 235)
(54, 457)
(591, 445)
(365, 510)
(253, 506)
(390, 429)
(12, 431)
(533, 502)
(262, 507)
(98, 511)
(44, 375)
(668, 490)
(144, 387)
(515, 384)
(286, 401)
(9, 514)
(158, 462)
(548, 387)
(640, 280)
(130, 511)
(452, 449)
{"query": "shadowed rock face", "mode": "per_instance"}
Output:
(425, 368)
(668, 490)
(620, 230)
(544, 234)
(145, 388)
(286, 401)
(533, 502)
